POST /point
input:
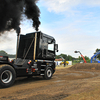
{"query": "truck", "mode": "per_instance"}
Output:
(35, 56)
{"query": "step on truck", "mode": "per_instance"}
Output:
(35, 56)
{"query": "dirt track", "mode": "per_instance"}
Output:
(66, 84)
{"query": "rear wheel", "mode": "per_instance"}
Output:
(7, 75)
(48, 73)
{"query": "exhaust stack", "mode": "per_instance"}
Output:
(18, 35)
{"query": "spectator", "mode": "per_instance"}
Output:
(64, 63)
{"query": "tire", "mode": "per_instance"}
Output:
(48, 73)
(7, 75)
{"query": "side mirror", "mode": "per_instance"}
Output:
(56, 47)
(57, 50)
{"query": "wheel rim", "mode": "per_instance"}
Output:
(6, 76)
(49, 73)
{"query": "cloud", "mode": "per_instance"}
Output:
(92, 2)
(68, 43)
(71, 32)
(71, 37)
(67, 5)
(8, 42)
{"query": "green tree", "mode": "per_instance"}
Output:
(98, 56)
(65, 57)
(80, 58)
(3, 53)
(69, 57)
(86, 58)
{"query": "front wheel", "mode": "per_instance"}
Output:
(48, 73)
(7, 75)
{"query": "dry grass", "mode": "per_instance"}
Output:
(93, 66)
(67, 83)
(62, 66)
(89, 95)
(94, 93)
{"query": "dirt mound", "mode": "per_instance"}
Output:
(93, 66)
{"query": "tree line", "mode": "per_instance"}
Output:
(98, 56)
(70, 58)
(65, 56)
(3, 53)
(79, 59)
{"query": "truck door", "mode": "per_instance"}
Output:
(50, 49)
(44, 47)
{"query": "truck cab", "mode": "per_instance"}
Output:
(41, 47)
(35, 56)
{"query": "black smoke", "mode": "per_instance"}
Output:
(11, 12)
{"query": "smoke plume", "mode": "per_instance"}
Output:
(11, 13)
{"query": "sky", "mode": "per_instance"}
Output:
(75, 24)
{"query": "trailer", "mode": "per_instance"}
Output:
(34, 57)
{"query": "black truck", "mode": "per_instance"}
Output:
(35, 56)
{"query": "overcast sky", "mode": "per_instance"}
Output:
(75, 24)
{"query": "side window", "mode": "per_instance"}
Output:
(51, 47)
